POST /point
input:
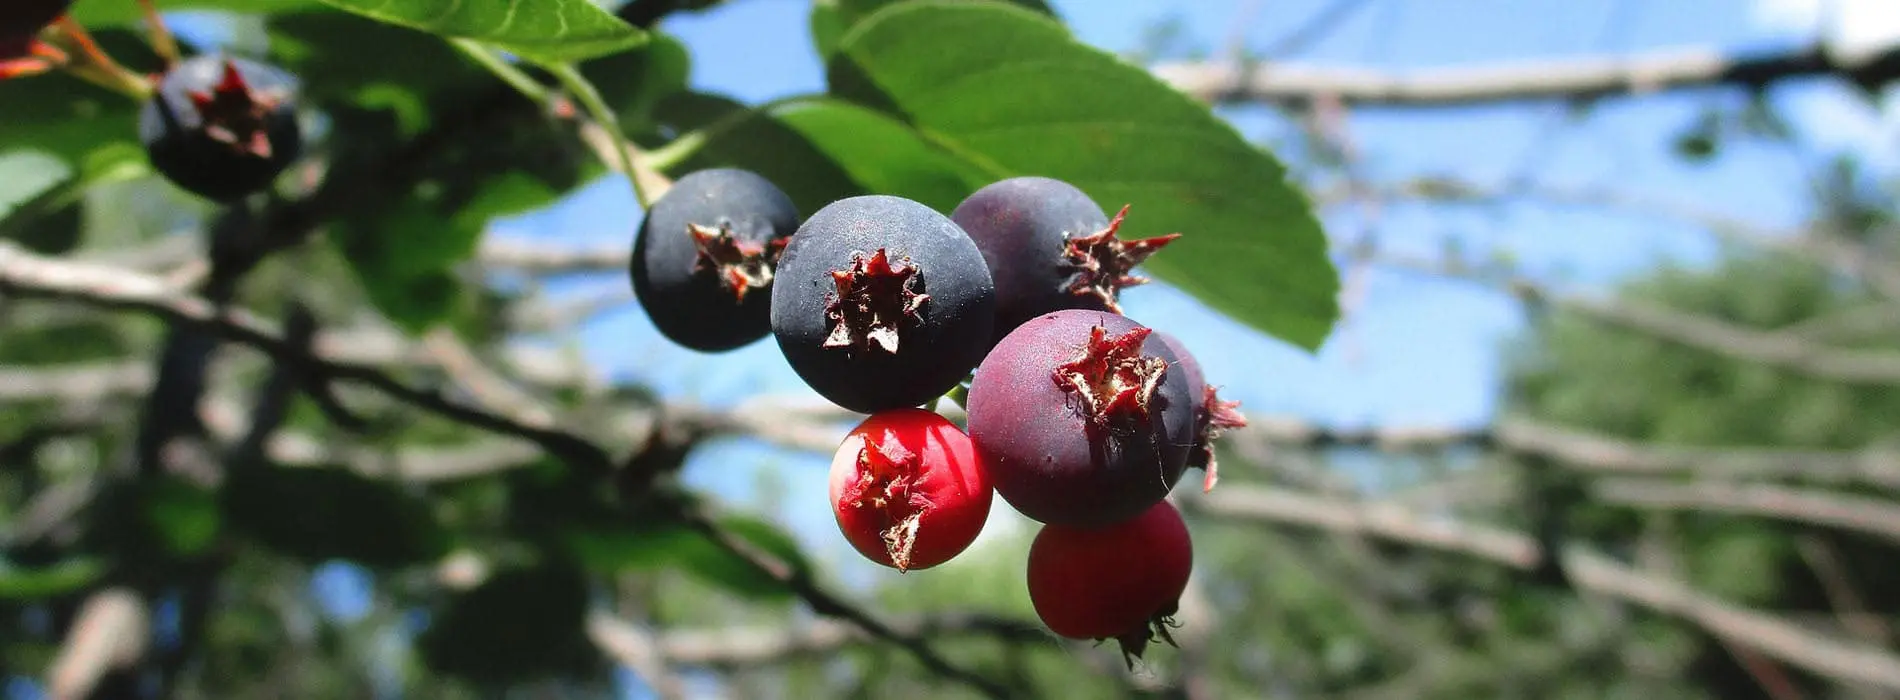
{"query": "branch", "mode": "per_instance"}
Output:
(1874, 516)
(533, 257)
(27, 274)
(738, 647)
(108, 634)
(1559, 79)
(1589, 571)
(636, 649)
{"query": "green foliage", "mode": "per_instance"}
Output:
(37, 582)
(521, 623)
(625, 547)
(1028, 98)
(320, 514)
(547, 32)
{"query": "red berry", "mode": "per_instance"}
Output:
(908, 490)
(1122, 582)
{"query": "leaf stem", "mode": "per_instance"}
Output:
(163, 43)
(94, 65)
(507, 72)
(647, 183)
(680, 149)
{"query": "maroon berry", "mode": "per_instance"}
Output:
(1081, 418)
(1050, 247)
(220, 127)
(1212, 416)
(881, 303)
(706, 254)
(908, 489)
(1122, 582)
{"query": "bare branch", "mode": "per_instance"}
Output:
(76, 382)
(528, 256)
(1561, 79)
(738, 647)
(636, 649)
(1591, 572)
(108, 634)
(1874, 516)
(24, 273)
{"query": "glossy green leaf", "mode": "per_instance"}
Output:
(882, 154)
(1029, 99)
(34, 583)
(757, 142)
(111, 13)
(830, 19)
(634, 83)
(547, 32)
(344, 58)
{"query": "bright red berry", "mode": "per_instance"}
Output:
(1122, 582)
(908, 490)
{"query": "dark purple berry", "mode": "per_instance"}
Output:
(221, 127)
(1212, 416)
(1082, 418)
(882, 303)
(24, 18)
(705, 257)
(1050, 247)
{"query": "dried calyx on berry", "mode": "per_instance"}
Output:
(875, 301)
(908, 490)
(1112, 379)
(221, 127)
(887, 481)
(739, 265)
(1104, 264)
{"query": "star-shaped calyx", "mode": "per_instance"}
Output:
(1112, 378)
(1135, 642)
(236, 114)
(741, 266)
(1217, 417)
(875, 300)
(887, 481)
(1104, 264)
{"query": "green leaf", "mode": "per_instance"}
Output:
(520, 624)
(112, 13)
(635, 82)
(344, 58)
(184, 517)
(1029, 99)
(617, 547)
(318, 514)
(35, 583)
(882, 154)
(757, 142)
(544, 32)
(830, 19)
(67, 117)
(25, 175)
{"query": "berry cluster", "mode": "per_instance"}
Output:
(218, 127)
(1078, 416)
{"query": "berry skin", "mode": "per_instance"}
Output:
(1122, 582)
(1212, 416)
(908, 489)
(1081, 418)
(705, 256)
(25, 18)
(221, 128)
(1050, 247)
(881, 303)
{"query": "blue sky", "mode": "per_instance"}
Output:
(1416, 350)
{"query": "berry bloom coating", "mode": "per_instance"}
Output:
(908, 490)
(881, 303)
(1122, 582)
(706, 254)
(21, 19)
(1081, 418)
(1050, 247)
(220, 127)
(1212, 416)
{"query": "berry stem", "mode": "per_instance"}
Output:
(163, 43)
(92, 64)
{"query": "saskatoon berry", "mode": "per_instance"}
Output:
(25, 18)
(881, 302)
(1212, 416)
(704, 258)
(908, 490)
(1122, 582)
(1081, 418)
(1050, 247)
(220, 127)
